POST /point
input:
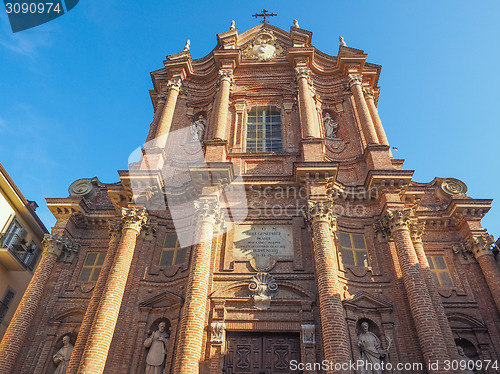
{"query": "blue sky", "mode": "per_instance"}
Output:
(74, 99)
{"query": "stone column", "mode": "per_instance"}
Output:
(379, 129)
(55, 247)
(362, 109)
(160, 104)
(225, 82)
(307, 109)
(192, 329)
(106, 316)
(422, 309)
(333, 321)
(480, 247)
(416, 232)
(85, 327)
(163, 128)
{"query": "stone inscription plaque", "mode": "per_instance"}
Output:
(263, 243)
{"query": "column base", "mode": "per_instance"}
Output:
(377, 157)
(215, 150)
(152, 159)
(312, 149)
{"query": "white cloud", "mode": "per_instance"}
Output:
(25, 42)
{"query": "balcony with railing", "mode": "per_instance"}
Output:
(16, 254)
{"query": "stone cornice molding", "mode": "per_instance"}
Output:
(63, 248)
(134, 218)
(209, 211)
(174, 84)
(480, 245)
(354, 79)
(397, 219)
(417, 231)
(321, 211)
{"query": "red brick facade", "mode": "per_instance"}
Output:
(342, 226)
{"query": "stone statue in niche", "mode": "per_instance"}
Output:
(198, 128)
(331, 126)
(62, 357)
(464, 361)
(372, 352)
(157, 344)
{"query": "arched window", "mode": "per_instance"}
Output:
(264, 130)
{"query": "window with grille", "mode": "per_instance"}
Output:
(172, 253)
(5, 303)
(354, 251)
(92, 266)
(264, 130)
(439, 271)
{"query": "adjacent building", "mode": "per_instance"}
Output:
(265, 227)
(21, 234)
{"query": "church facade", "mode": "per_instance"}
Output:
(265, 227)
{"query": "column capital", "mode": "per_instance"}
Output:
(134, 218)
(209, 211)
(63, 248)
(480, 245)
(369, 93)
(321, 211)
(114, 229)
(382, 230)
(174, 84)
(303, 73)
(354, 79)
(226, 75)
(417, 231)
(397, 219)
(161, 98)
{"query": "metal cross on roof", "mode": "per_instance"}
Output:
(264, 14)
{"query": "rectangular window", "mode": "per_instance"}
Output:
(92, 266)
(264, 130)
(172, 253)
(5, 303)
(14, 236)
(354, 251)
(439, 271)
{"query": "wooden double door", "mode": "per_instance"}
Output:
(260, 353)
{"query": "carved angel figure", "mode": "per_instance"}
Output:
(331, 126)
(197, 128)
(62, 357)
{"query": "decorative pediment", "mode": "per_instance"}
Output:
(163, 300)
(264, 47)
(368, 301)
(288, 290)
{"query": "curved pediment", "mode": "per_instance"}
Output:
(73, 315)
(464, 321)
